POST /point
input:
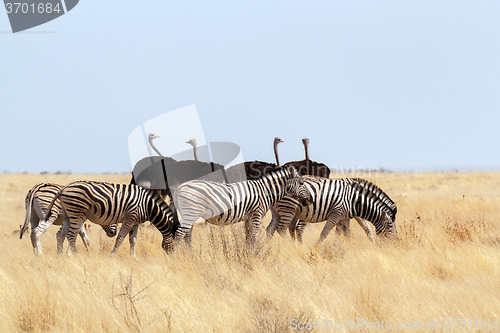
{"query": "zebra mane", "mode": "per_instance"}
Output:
(371, 190)
(278, 171)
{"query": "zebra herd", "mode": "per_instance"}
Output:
(297, 200)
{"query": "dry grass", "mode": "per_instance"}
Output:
(447, 265)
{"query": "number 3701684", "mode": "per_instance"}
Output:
(25, 8)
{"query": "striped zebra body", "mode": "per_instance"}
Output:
(297, 227)
(337, 201)
(247, 201)
(106, 204)
(36, 202)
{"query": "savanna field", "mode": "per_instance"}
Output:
(446, 266)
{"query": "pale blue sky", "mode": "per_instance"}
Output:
(404, 85)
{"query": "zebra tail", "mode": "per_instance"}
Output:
(49, 208)
(27, 217)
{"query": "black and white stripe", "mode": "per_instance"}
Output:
(297, 227)
(336, 201)
(107, 204)
(247, 201)
(36, 202)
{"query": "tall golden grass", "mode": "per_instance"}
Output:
(446, 266)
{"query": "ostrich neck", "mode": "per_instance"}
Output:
(195, 154)
(155, 149)
(306, 148)
(276, 154)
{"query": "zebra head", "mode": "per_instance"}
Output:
(387, 226)
(295, 187)
(110, 230)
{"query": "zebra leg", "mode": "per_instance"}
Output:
(38, 228)
(189, 236)
(271, 228)
(61, 234)
(299, 229)
(344, 228)
(332, 222)
(252, 225)
(189, 217)
(296, 229)
(292, 226)
(75, 227)
(84, 238)
(366, 227)
(35, 238)
(37, 232)
(286, 218)
(124, 230)
(183, 232)
(132, 238)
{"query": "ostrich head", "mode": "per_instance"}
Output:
(152, 136)
(192, 142)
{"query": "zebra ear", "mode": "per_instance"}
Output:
(394, 206)
(293, 172)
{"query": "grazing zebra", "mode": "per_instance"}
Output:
(36, 202)
(297, 226)
(106, 204)
(335, 201)
(242, 201)
(343, 226)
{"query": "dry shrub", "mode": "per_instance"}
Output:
(463, 231)
(412, 231)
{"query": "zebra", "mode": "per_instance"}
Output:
(337, 201)
(247, 201)
(297, 226)
(107, 203)
(343, 226)
(36, 202)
